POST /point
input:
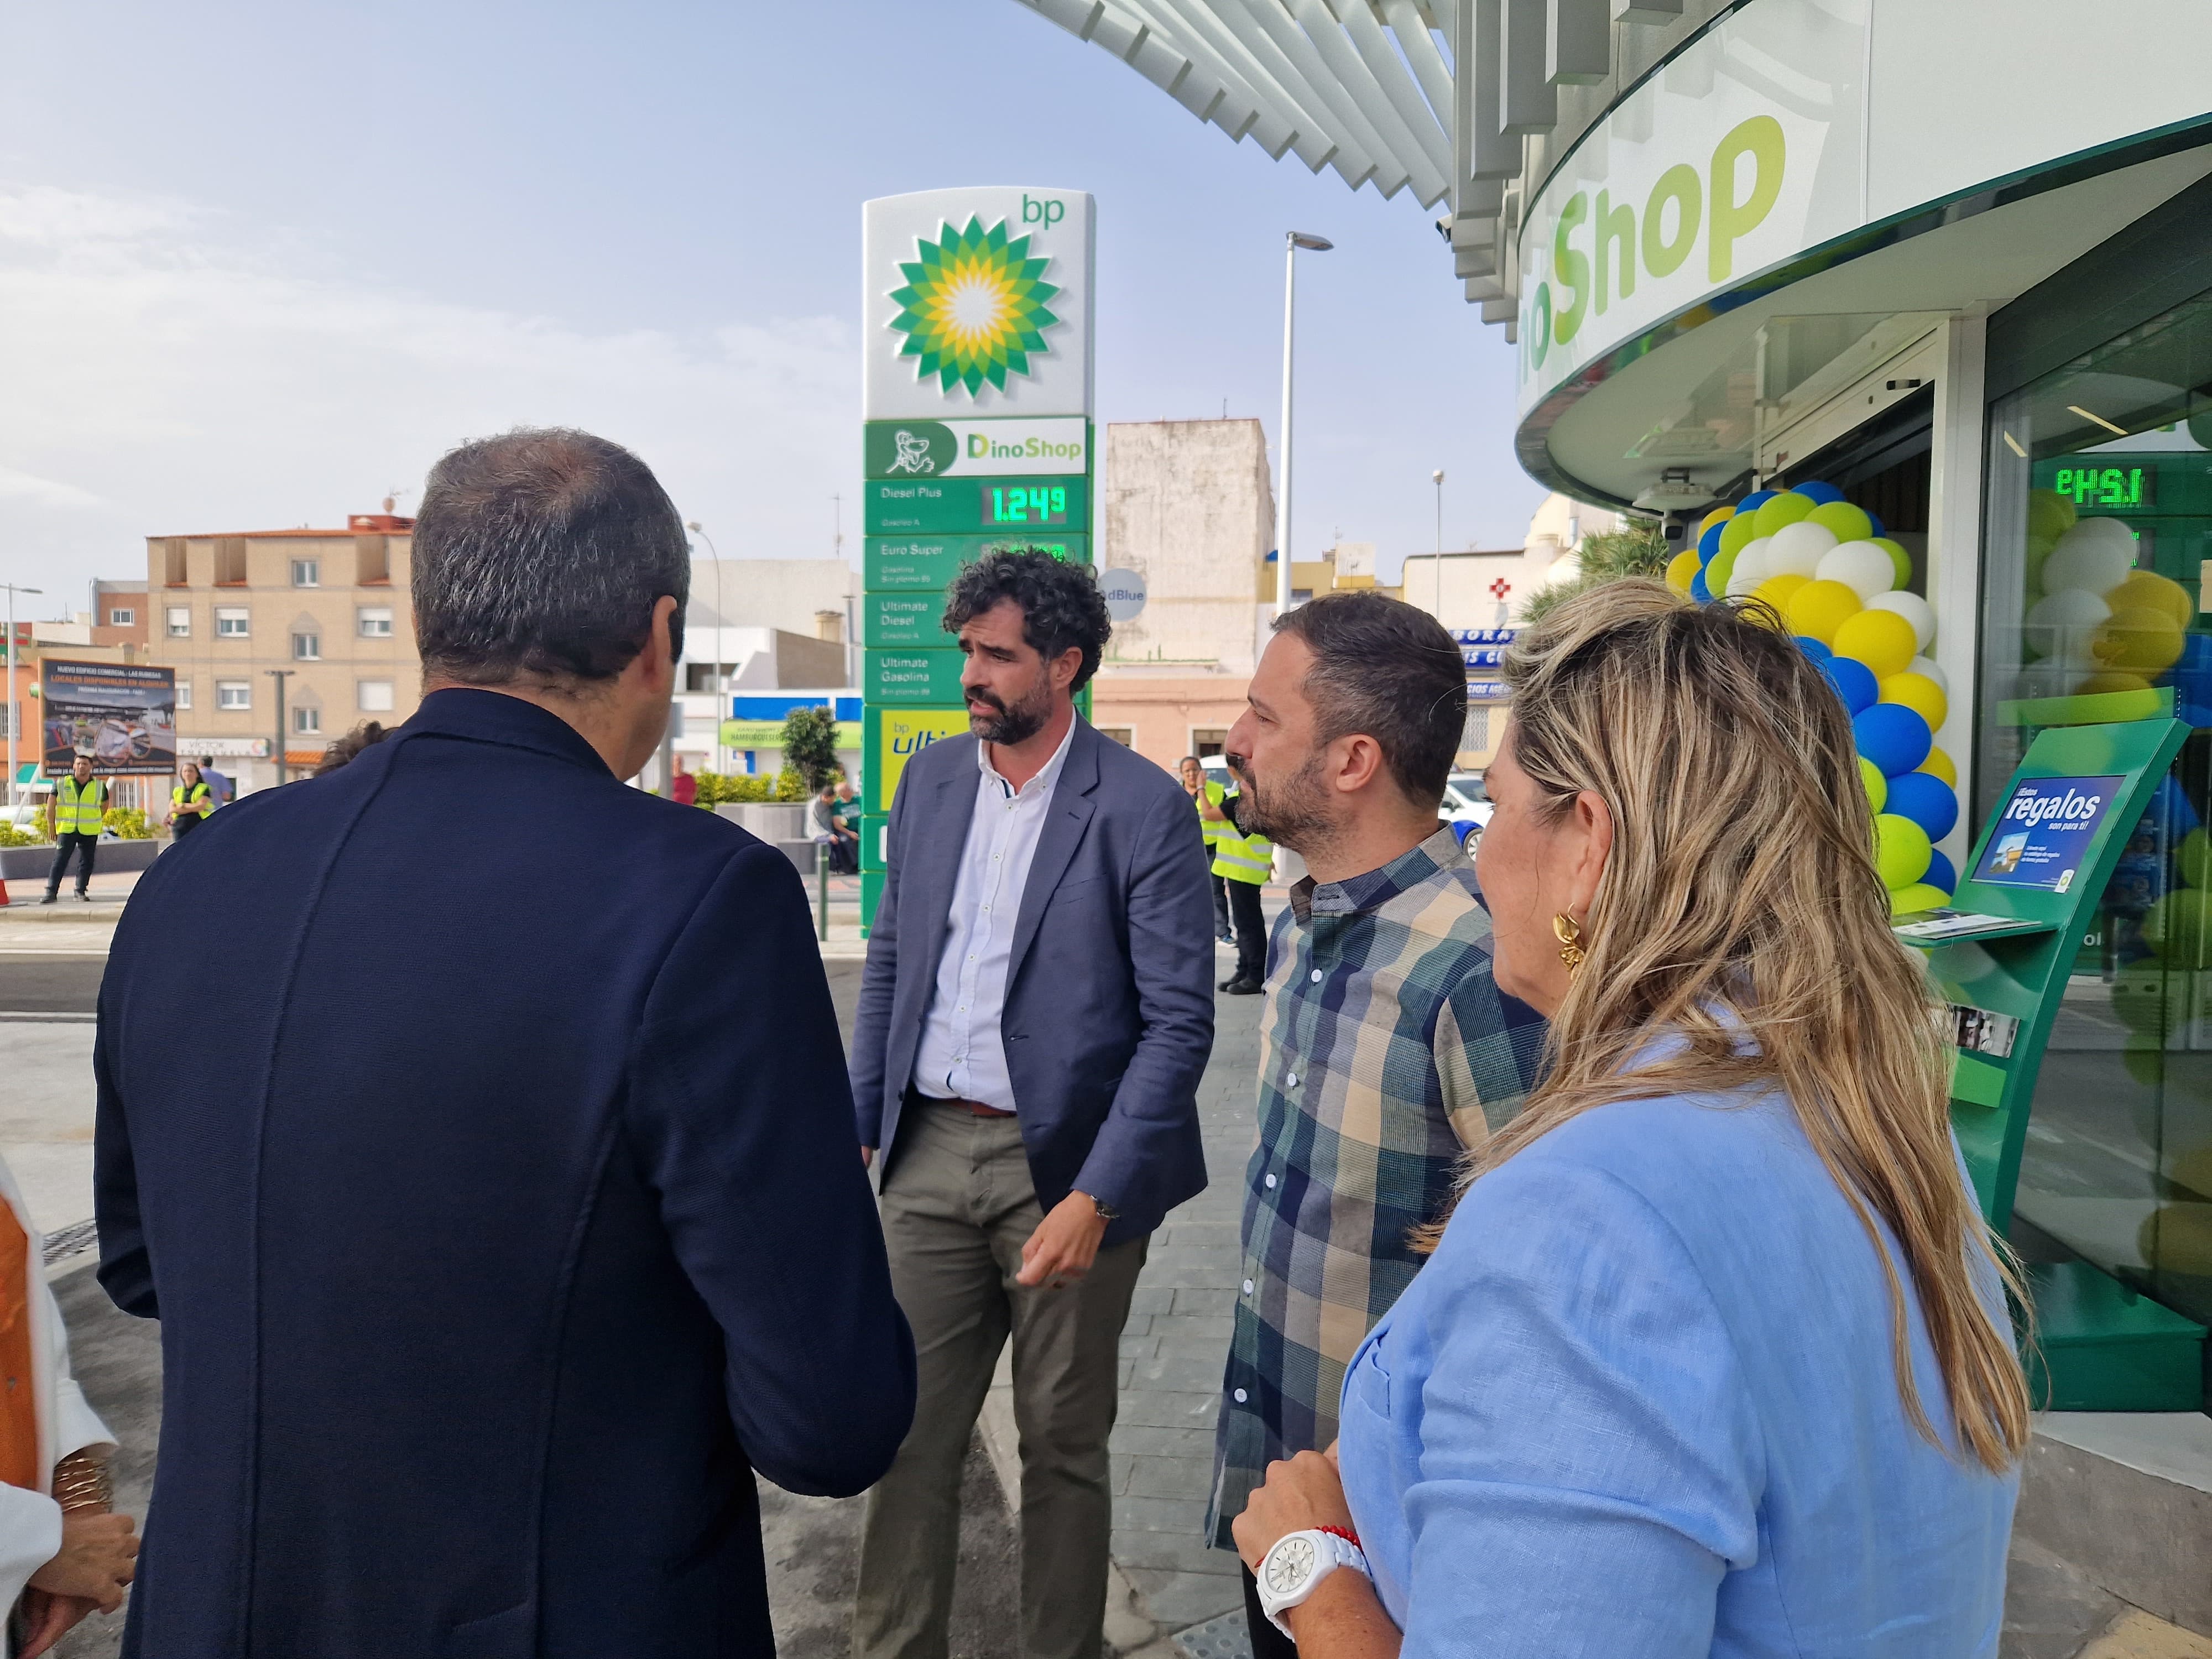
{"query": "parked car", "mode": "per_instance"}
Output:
(1465, 801)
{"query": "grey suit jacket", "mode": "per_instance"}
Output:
(1108, 1014)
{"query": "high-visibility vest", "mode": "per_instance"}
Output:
(199, 795)
(1211, 794)
(1243, 858)
(78, 813)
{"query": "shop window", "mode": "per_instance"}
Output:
(233, 694)
(2098, 528)
(180, 622)
(233, 623)
(373, 697)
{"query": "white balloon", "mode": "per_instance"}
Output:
(1796, 550)
(1914, 609)
(1741, 581)
(2095, 555)
(1752, 557)
(1927, 665)
(1862, 567)
(2059, 624)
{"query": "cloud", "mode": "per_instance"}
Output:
(163, 372)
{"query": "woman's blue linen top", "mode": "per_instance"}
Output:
(1641, 1404)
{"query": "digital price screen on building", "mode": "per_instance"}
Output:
(2108, 488)
(957, 506)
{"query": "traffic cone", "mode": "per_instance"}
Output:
(4, 890)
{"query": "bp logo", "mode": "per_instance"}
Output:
(973, 309)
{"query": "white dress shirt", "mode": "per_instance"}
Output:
(962, 1055)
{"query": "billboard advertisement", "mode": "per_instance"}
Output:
(123, 716)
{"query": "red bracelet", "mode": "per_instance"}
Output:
(1346, 1533)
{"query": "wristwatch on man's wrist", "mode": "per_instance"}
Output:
(1106, 1211)
(1300, 1560)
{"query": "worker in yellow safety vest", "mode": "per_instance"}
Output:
(1244, 862)
(190, 801)
(74, 812)
(1206, 797)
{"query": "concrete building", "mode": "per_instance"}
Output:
(1190, 509)
(119, 614)
(330, 606)
(758, 627)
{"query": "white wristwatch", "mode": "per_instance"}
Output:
(1299, 1561)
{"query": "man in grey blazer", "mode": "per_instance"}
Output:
(1035, 1015)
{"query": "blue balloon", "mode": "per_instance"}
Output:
(2169, 805)
(1819, 494)
(1923, 798)
(1757, 499)
(1710, 543)
(1941, 875)
(1894, 737)
(1855, 684)
(1812, 648)
(1698, 590)
(1878, 533)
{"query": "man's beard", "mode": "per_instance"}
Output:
(1013, 723)
(1293, 813)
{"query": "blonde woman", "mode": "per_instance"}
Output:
(1712, 1358)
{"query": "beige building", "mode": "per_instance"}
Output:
(329, 606)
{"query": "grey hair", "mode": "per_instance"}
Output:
(541, 554)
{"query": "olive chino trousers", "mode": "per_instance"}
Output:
(958, 1206)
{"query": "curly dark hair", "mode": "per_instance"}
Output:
(1061, 606)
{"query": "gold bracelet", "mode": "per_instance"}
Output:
(82, 1482)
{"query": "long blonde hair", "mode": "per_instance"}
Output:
(1741, 901)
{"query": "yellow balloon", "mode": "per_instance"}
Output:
(1921, 695)
(2148, 591)
(1911, 901)
(1940, 765)
(1818, 608)
(1718, 515)
(1882, 639)
(1779, 591)
(2112, 679)
(1679, 569)
(2138, 640)
(1877, 786)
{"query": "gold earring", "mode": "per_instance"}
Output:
(1569, 933)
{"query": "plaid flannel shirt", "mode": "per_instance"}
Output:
(1387, 1051)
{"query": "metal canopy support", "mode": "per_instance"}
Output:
(1528, 102)
(1578, 43)
(1646, 12)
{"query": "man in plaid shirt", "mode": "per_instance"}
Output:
(1387, 1051)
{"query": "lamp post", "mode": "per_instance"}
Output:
(1293, 242)
(1437, 478)
(280, 675)
(14, 704)
(721, 683)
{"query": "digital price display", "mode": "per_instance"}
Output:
(2044, 837)
(1010, 504)
(2109, 488)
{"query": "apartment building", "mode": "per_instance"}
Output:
(119, 614)
(328, 608)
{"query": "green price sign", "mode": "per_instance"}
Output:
(969, 506)
(912, 619)
(912, 676)
(928, 563)
(2109, 488)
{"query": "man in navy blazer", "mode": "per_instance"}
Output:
(1036, 1014)
(489, 1157)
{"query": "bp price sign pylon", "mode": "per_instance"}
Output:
(976, 434)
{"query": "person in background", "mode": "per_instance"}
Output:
(1211, 822)
(191, 799)
(1714, 1358)
(683, 788)
(63, 1553)
(829, 831)
(1033, 1020)
(1388, 1049)
(341, 751)
(848, 813)
(74, 813)
(498, 1244)
(1243, 858)
(224, 790)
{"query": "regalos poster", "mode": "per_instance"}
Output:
(2048, 827)
(123, 716)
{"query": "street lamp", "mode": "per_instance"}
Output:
(280, 675)
(1437, 478)
(721, 683)
(1293, 242)
(14, 703)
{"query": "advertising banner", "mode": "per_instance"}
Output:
(924, 449)
(2047, 829)
(896, 736)
(121, 715)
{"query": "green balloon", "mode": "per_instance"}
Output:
(2179, 929)
(1842, 520)
(1721, 567)
(1738, 531)
(1877, 786)
(2195, 859)
(1784, 510)
(1901, 850)
(1898, 557)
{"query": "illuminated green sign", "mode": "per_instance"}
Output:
(916, 677)
(969, 505)
(2109, 488)
(912, 563)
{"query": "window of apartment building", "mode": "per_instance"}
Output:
(233, 694)
(180, 622)
(233, 622)
(375, 696)
(307, 721)
(375, 621)
(184, 694)
(1124, 735)
(122, 617)
(307, 573)
(307, 647)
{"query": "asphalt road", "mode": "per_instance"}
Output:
(50, 985)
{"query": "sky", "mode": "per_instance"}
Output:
(260, 264)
